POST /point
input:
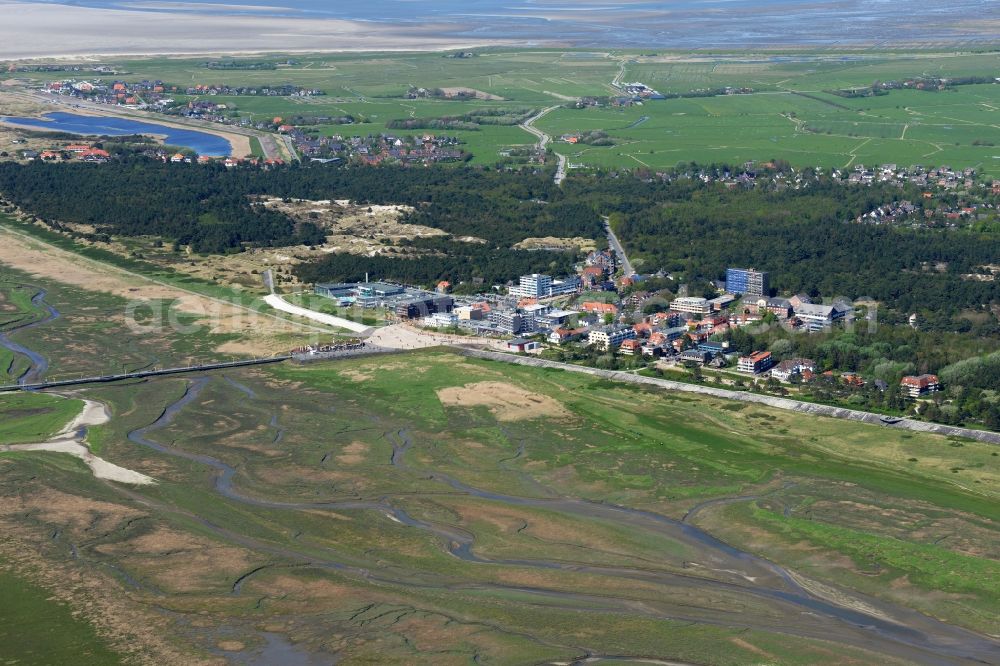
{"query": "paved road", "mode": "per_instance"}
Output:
(289, 146)
(278, 303)
(543, 141)
(617, 247)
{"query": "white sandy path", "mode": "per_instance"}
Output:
(278, 303)
(93, 413)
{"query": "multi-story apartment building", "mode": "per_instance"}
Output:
(509, 321)
(692, 305)
(819, 317)
(535, 285)
(756, 362)
(610, 336)
(916, 386)
(747, 281)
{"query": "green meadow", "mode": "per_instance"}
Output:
(27, 418)
(36, 630)
(790, 114)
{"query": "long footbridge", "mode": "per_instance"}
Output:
(139, 374)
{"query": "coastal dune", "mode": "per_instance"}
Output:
(31, 30)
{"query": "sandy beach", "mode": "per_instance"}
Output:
(51, 30)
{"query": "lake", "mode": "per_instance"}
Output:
(202, 143)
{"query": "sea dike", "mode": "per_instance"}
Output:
(744, 396)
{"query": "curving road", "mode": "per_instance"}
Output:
(544, 140)
(278, 303)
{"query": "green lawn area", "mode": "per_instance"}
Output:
(36, 630)
(32, 417)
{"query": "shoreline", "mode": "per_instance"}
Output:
(44, 30)
(239, 144)
(57, 30)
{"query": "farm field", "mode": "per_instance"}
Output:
(953, 128)
(789, 115)
(428, 504)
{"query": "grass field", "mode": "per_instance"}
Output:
(37, 631)
(33, 417)
(918, 128)
(789, 116)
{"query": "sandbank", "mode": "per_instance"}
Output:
(46, 30)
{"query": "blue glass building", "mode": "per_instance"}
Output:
(747, 281)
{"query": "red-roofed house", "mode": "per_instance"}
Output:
(756, 362)
(560, 335)
(95, 155)
(643, 329)
(916, 386)
(630, 348)
(657, 338)
(852, 379)
(597, 307)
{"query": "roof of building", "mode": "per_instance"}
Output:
(919, 381)
(793, 363)
(695, 352)
(597, 306)
(379, 286)
(813, 310)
